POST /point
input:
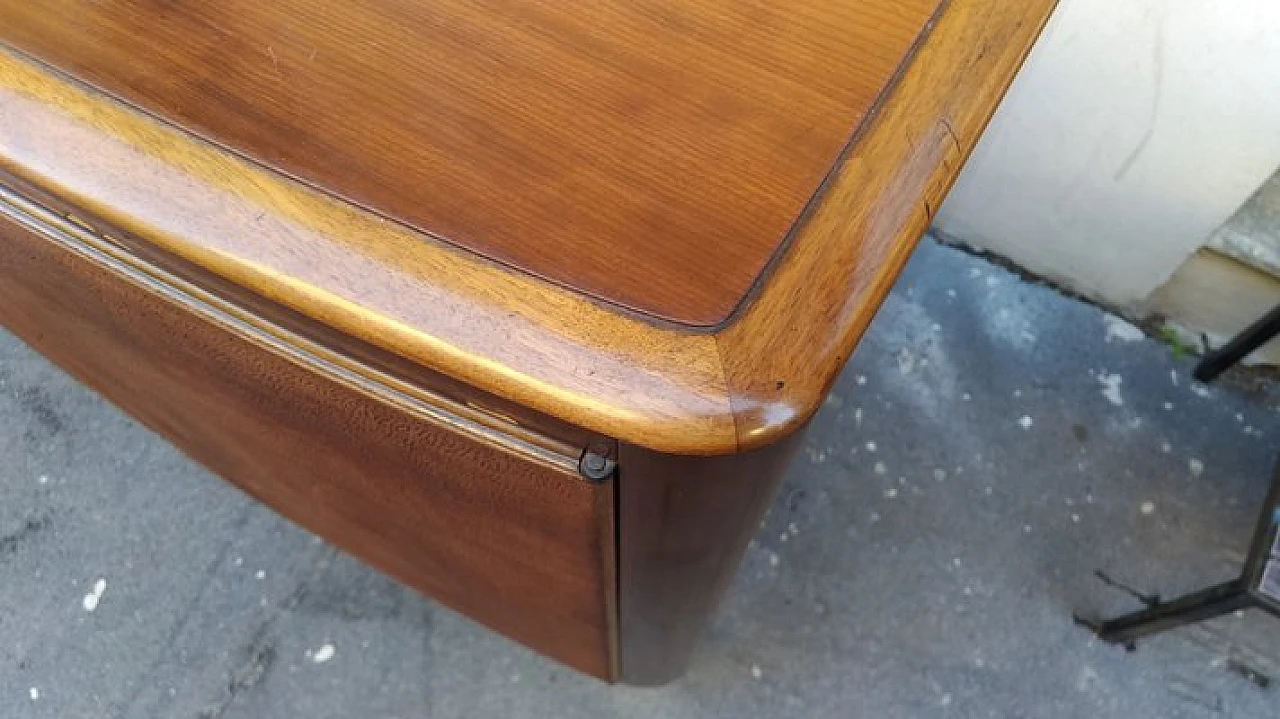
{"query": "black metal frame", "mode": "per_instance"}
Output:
(1257, 587)
(1226, 356)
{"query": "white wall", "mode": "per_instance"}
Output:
(1136, 128)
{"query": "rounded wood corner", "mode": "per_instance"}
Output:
(783, 350)
(90, 158)
(682, 391)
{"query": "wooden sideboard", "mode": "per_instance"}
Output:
(524, 303)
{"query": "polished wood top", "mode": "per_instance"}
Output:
(184, 212)
(650, 153)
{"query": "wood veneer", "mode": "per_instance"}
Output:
(501, 529)
(393, 387)
(652, 153)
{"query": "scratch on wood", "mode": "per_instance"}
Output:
(275, 64)
(951, 131)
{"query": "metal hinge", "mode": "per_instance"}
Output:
(596, 465)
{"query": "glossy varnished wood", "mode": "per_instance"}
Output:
(376, 281)
(473, 513)
(653, 153)
(745, 385)
(383, 381)
(782, 355)
(683, 524)
(684, 521)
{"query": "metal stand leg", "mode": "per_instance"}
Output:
(1221, 359)
(1195, 607)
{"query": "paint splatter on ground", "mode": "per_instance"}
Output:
(1111, 388)
(90, 601)
(1120, 329)
(323, 654)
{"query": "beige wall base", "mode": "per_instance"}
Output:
(1135, 130)
(1218, 296)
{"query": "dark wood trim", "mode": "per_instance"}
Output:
(683, 524)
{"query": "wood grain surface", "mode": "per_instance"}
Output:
(786, 349)
(441, 308)
(683, 524)
(502, 529)
(748, 383)
(653, 153)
